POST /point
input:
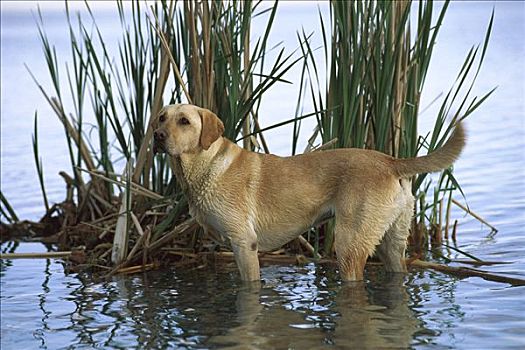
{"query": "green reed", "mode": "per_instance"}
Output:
(38, 163)
(116, 95)
(376, 64)
(203, 53)
(6, 210)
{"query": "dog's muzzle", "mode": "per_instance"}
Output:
(159, 138)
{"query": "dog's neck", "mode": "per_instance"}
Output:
(198, 171)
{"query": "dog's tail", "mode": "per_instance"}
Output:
(439, 159)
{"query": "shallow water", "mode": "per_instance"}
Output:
(295, 307)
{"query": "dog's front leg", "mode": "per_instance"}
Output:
(245, 252)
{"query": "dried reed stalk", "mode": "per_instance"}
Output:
(120, 240)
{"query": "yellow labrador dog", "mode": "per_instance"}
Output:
(260, 202)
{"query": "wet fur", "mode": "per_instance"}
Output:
(260, 202)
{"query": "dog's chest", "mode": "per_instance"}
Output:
(201, 189)
(207, 216)
(205, 206)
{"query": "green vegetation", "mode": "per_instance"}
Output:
(377, 56)
(377, 62)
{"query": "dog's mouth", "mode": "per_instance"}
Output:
(159, 147)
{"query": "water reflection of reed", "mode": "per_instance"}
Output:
(7, 247)
(433, 301)
(42, 300)
(149, 310)
(85, 300)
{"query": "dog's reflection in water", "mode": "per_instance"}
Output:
(376, 318)
(359, 315)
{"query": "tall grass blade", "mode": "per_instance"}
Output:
(38, 163)
(7, 210)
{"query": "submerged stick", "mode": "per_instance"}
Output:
(44, 255)
(467, 272)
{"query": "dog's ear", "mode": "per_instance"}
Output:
(212, 128)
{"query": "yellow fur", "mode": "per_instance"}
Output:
(259, 202)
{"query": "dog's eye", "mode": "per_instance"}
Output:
(162, 118)
(184, 121)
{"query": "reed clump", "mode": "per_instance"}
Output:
(123, 206)
(377, 57)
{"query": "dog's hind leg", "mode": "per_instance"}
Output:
(355, 239)
(391, 250)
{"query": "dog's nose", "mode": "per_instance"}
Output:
(159, 135)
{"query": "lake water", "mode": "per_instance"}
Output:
(294, 307)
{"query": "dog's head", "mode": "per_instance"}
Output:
(185, 128)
